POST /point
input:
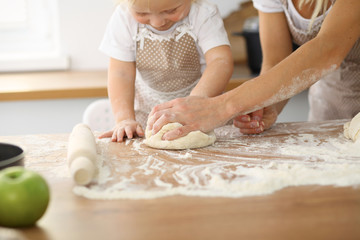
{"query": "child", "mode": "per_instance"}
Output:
(160, 50)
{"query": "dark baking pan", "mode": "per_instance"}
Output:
(10, 155)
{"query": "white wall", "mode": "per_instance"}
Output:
(41, 116)
(82, 24)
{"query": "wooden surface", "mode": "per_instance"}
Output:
(52, 85)
(72, 84)
(306, 212)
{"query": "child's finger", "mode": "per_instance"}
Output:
(114, 136)
(257, 115)
(252, 130)
(139, 131)
(242, 118)
(246, 125)
(129, 132)
(106, 134)
(119, 136)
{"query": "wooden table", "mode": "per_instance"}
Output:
(53, 85)
(301, 212)
(74, 84)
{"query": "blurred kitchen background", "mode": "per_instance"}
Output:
(53, 35)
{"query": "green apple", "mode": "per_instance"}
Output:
(24, 197)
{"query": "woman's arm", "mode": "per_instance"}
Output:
(298, 71)
(121, 91)
(276, 45)
(219, 69)
(311, 61)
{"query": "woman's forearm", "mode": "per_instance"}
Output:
(316, 58)
(291, 76)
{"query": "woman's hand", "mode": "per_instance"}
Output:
(258, 121)
(126, 128)
(194, 113)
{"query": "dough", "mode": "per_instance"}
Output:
(352, 128)
(195, 139)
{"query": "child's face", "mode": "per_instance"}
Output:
(160, 14)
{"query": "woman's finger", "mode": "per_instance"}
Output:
(177, 133)
(163, 120)
(153, 119)
(162, 106)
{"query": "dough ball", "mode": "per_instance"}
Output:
(195, 139)
(352, 128)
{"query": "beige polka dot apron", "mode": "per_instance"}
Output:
(169, 66)
(337, 95)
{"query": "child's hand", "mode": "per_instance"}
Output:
(257, 121)
(125, 128)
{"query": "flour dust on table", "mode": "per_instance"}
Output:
(195, 139)
(236, 165)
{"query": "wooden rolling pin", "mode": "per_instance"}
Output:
(81, 155)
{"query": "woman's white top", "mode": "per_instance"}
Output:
(272, 6)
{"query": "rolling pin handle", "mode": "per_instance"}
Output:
(82, 169)
(81, 156)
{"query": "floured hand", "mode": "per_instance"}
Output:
(194, 113)
(256, 122)
(126, 128)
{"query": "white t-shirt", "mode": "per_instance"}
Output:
(273, 6)
(204, 19)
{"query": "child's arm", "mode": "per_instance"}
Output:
(121, 90)
(219, 69)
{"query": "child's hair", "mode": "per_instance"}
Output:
(320, 7)
(131, 2)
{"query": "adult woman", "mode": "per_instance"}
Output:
(330, 49)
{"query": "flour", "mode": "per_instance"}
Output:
(185, 156)
(45, 161)
(236, 165)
